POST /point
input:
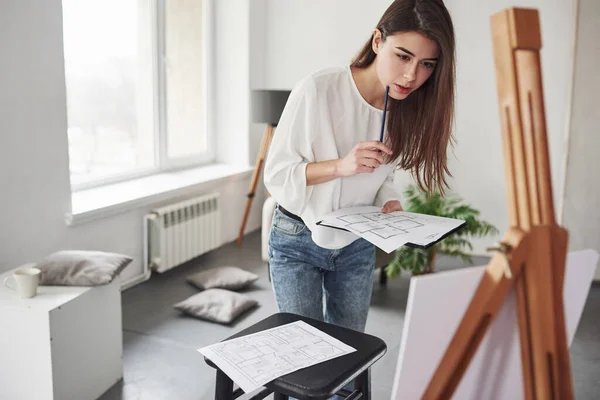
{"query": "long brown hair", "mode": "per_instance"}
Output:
(420, 126)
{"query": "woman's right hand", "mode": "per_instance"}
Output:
(365, 157)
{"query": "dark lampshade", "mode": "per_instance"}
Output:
(267, 105)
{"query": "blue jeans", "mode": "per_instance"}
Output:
(327, 285)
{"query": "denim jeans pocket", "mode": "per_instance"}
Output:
(287, 225)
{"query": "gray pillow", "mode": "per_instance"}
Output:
(217, 305)
(81, 268)
(232, 278)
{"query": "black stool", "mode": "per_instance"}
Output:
(320, 381)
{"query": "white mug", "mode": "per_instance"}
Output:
(26, 280)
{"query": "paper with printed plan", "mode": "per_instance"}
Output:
(258, 358)
(393, 230)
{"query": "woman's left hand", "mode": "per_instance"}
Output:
(391, 206)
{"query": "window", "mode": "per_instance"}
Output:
(136, 82)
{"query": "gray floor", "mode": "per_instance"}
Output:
(161, 361)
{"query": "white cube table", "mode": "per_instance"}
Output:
(65, 343)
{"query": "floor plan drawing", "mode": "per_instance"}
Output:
(253, 360)
(382, 225)
(391, 230)
(320, 350)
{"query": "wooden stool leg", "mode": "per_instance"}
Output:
(363, 384)
(224, 387)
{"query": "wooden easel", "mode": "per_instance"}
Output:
(260, 160)
(532, 255)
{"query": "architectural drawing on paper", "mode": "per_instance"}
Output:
(390, 231)
(383, 225)
(263, 357)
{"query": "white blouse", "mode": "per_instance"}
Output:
(324, 118)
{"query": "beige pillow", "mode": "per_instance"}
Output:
(232, 278)
(81, 268)
(217, 305)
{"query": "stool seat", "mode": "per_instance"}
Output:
(325, 379)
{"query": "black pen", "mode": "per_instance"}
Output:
(387, 90)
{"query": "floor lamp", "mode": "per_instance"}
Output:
(266, 107)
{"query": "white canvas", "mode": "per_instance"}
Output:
(436, 304)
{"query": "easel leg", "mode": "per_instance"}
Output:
(562, 356)
(545, 281)
(485, 304)
(525, 335)
(260, 159)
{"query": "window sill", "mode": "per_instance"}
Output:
(104, 201)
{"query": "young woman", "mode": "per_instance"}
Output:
(326, 155)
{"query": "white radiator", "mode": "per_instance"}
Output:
(182, 231)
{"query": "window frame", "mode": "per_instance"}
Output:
(162, 163)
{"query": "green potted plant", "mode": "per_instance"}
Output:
(420, 261)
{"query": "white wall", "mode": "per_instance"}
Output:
(33, 143)
(34, 167)
(582, 192)
(232, 79)
(258, 72)
(305, 35)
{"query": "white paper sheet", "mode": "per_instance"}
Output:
(258, 358)
(391, 231)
